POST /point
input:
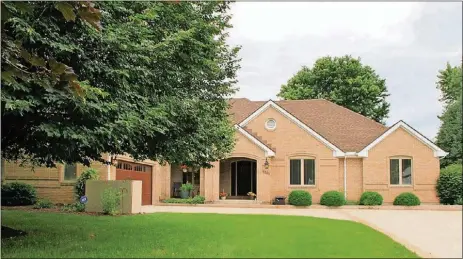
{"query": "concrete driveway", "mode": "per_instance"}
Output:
(435, 234)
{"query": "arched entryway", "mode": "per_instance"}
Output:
(238, 177)
(243, 178)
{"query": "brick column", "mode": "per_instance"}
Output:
(211, 182)
(264, 181)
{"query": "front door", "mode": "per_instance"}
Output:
(243, 177)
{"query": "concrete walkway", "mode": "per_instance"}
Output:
(435, 234)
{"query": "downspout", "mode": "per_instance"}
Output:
(345, 177)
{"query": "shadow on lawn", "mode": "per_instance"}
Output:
(10, 233)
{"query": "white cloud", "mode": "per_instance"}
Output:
(406, 43)
(278, 20)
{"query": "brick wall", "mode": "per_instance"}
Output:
(290, 141)
(425, 167)
(49, 182)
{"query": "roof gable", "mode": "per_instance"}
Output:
(401, 124)
(343, 128)
(336, 150)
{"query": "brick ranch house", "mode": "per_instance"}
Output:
(313, 145)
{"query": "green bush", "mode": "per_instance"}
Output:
(89, 174)
(459, 201)
(187, 187)
(74, 207)
(449, 184)
(43, 204)
(18, 194)
(332, 199)
(111, 199)
(371, 198)
(198, 199)
(300, 198)
(407, 199)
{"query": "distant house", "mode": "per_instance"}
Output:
(312, 145)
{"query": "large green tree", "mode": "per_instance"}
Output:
(450, 132)
(152, 82)
(344, 81)
(450, 83)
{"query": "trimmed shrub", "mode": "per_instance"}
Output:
(300, 198)
(111, 199)
(74, 207)
(459, 201)
(18, 194)
(449, 184)
(407, 199)
(43, 204)
(89, 174)
(198, 199)
(371, 198)
(332, 199)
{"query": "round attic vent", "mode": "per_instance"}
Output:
(270, 124)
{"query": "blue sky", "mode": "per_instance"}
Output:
(406, 43)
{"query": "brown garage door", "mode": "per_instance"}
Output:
(134, 171)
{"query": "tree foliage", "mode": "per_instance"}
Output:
(344, 81)
(450, 83)
(450, 132)
(449, 137)
(152, 81)
(449, 186)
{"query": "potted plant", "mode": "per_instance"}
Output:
(252, 195)
(223, 195)
(185, 190)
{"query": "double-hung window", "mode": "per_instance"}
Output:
(70, 172)
(302, 171)
(400, 170)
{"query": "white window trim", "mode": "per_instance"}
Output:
(266, 124)
(302, 172)
(400, 158)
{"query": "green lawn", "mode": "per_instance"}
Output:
(192, 235)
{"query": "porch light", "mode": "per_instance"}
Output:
(266, 164)
(184, 168)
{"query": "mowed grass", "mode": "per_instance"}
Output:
(192, 235)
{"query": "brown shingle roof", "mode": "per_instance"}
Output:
(344, 128)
